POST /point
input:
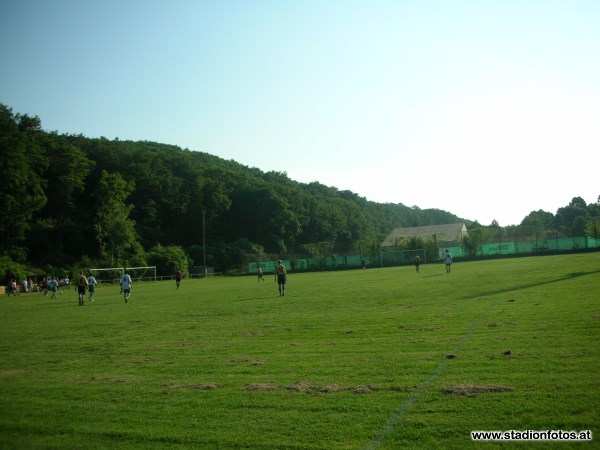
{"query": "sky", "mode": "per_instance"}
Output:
(487, 109)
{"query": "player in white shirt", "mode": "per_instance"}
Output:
(448, 261)
(126, 285)
(92, 286)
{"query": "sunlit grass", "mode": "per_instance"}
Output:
(354, 359)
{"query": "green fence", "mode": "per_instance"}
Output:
(533, 247)
(505, 247)
(310, 264)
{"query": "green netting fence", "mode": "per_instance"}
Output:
(523, 247)
(504, 247)
(303, 263)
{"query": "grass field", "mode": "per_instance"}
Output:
(381, 358)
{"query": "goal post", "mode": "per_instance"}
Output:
(402, 258)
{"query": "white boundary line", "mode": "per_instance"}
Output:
(393, 420)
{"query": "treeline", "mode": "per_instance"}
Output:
(73, 201)
(70, 202)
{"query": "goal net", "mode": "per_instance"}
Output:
(107, 274)
(113, 274)
(143, 273)
(402, 258)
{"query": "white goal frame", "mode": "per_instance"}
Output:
(141, 267)
(120, 269)
(408, 256)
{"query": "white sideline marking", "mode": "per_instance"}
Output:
(389, 425)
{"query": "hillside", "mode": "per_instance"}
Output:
(68, 197)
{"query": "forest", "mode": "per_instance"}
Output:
(71, 202)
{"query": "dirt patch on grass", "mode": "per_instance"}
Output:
(397, 388)
(366, 389)
(330, 388)
(471, 389)
(239, 359)
(196, 387)
(500, 324)
(310, 387)
(261, 387)
(245, 360)
(105, 379)
(205, 387)
(302, 386)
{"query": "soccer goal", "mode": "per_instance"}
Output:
(402, 258)
(143, 273)
(107, 274)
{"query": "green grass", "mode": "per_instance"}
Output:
(346, 360)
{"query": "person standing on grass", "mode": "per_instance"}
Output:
(92, 286)
(45, 287)
(53, 283)
(12, 288)
(178, 277)
(418, 263)
(281, 277)
(448, 260)
(82, 284)
(260, 274)
(126, 285)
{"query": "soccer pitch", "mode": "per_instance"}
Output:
(380, 358)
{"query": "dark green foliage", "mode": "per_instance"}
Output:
(68, 198)
(169, 259)
(10, 269)
(22, 184)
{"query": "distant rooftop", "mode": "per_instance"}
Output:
(444, 234)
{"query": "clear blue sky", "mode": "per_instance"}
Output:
(487, 109)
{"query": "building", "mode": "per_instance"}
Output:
(443, 235)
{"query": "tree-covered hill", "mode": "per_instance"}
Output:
(74, 201)
(69, 199)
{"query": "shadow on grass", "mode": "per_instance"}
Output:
(570, 276)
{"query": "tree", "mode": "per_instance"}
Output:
(578, 201)
(57, 230)
(22, 163)
(168, 259)
(538, 224)
(572, 219)
(260, 214)
(115, 230)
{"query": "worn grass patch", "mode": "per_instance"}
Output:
(470, 389)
